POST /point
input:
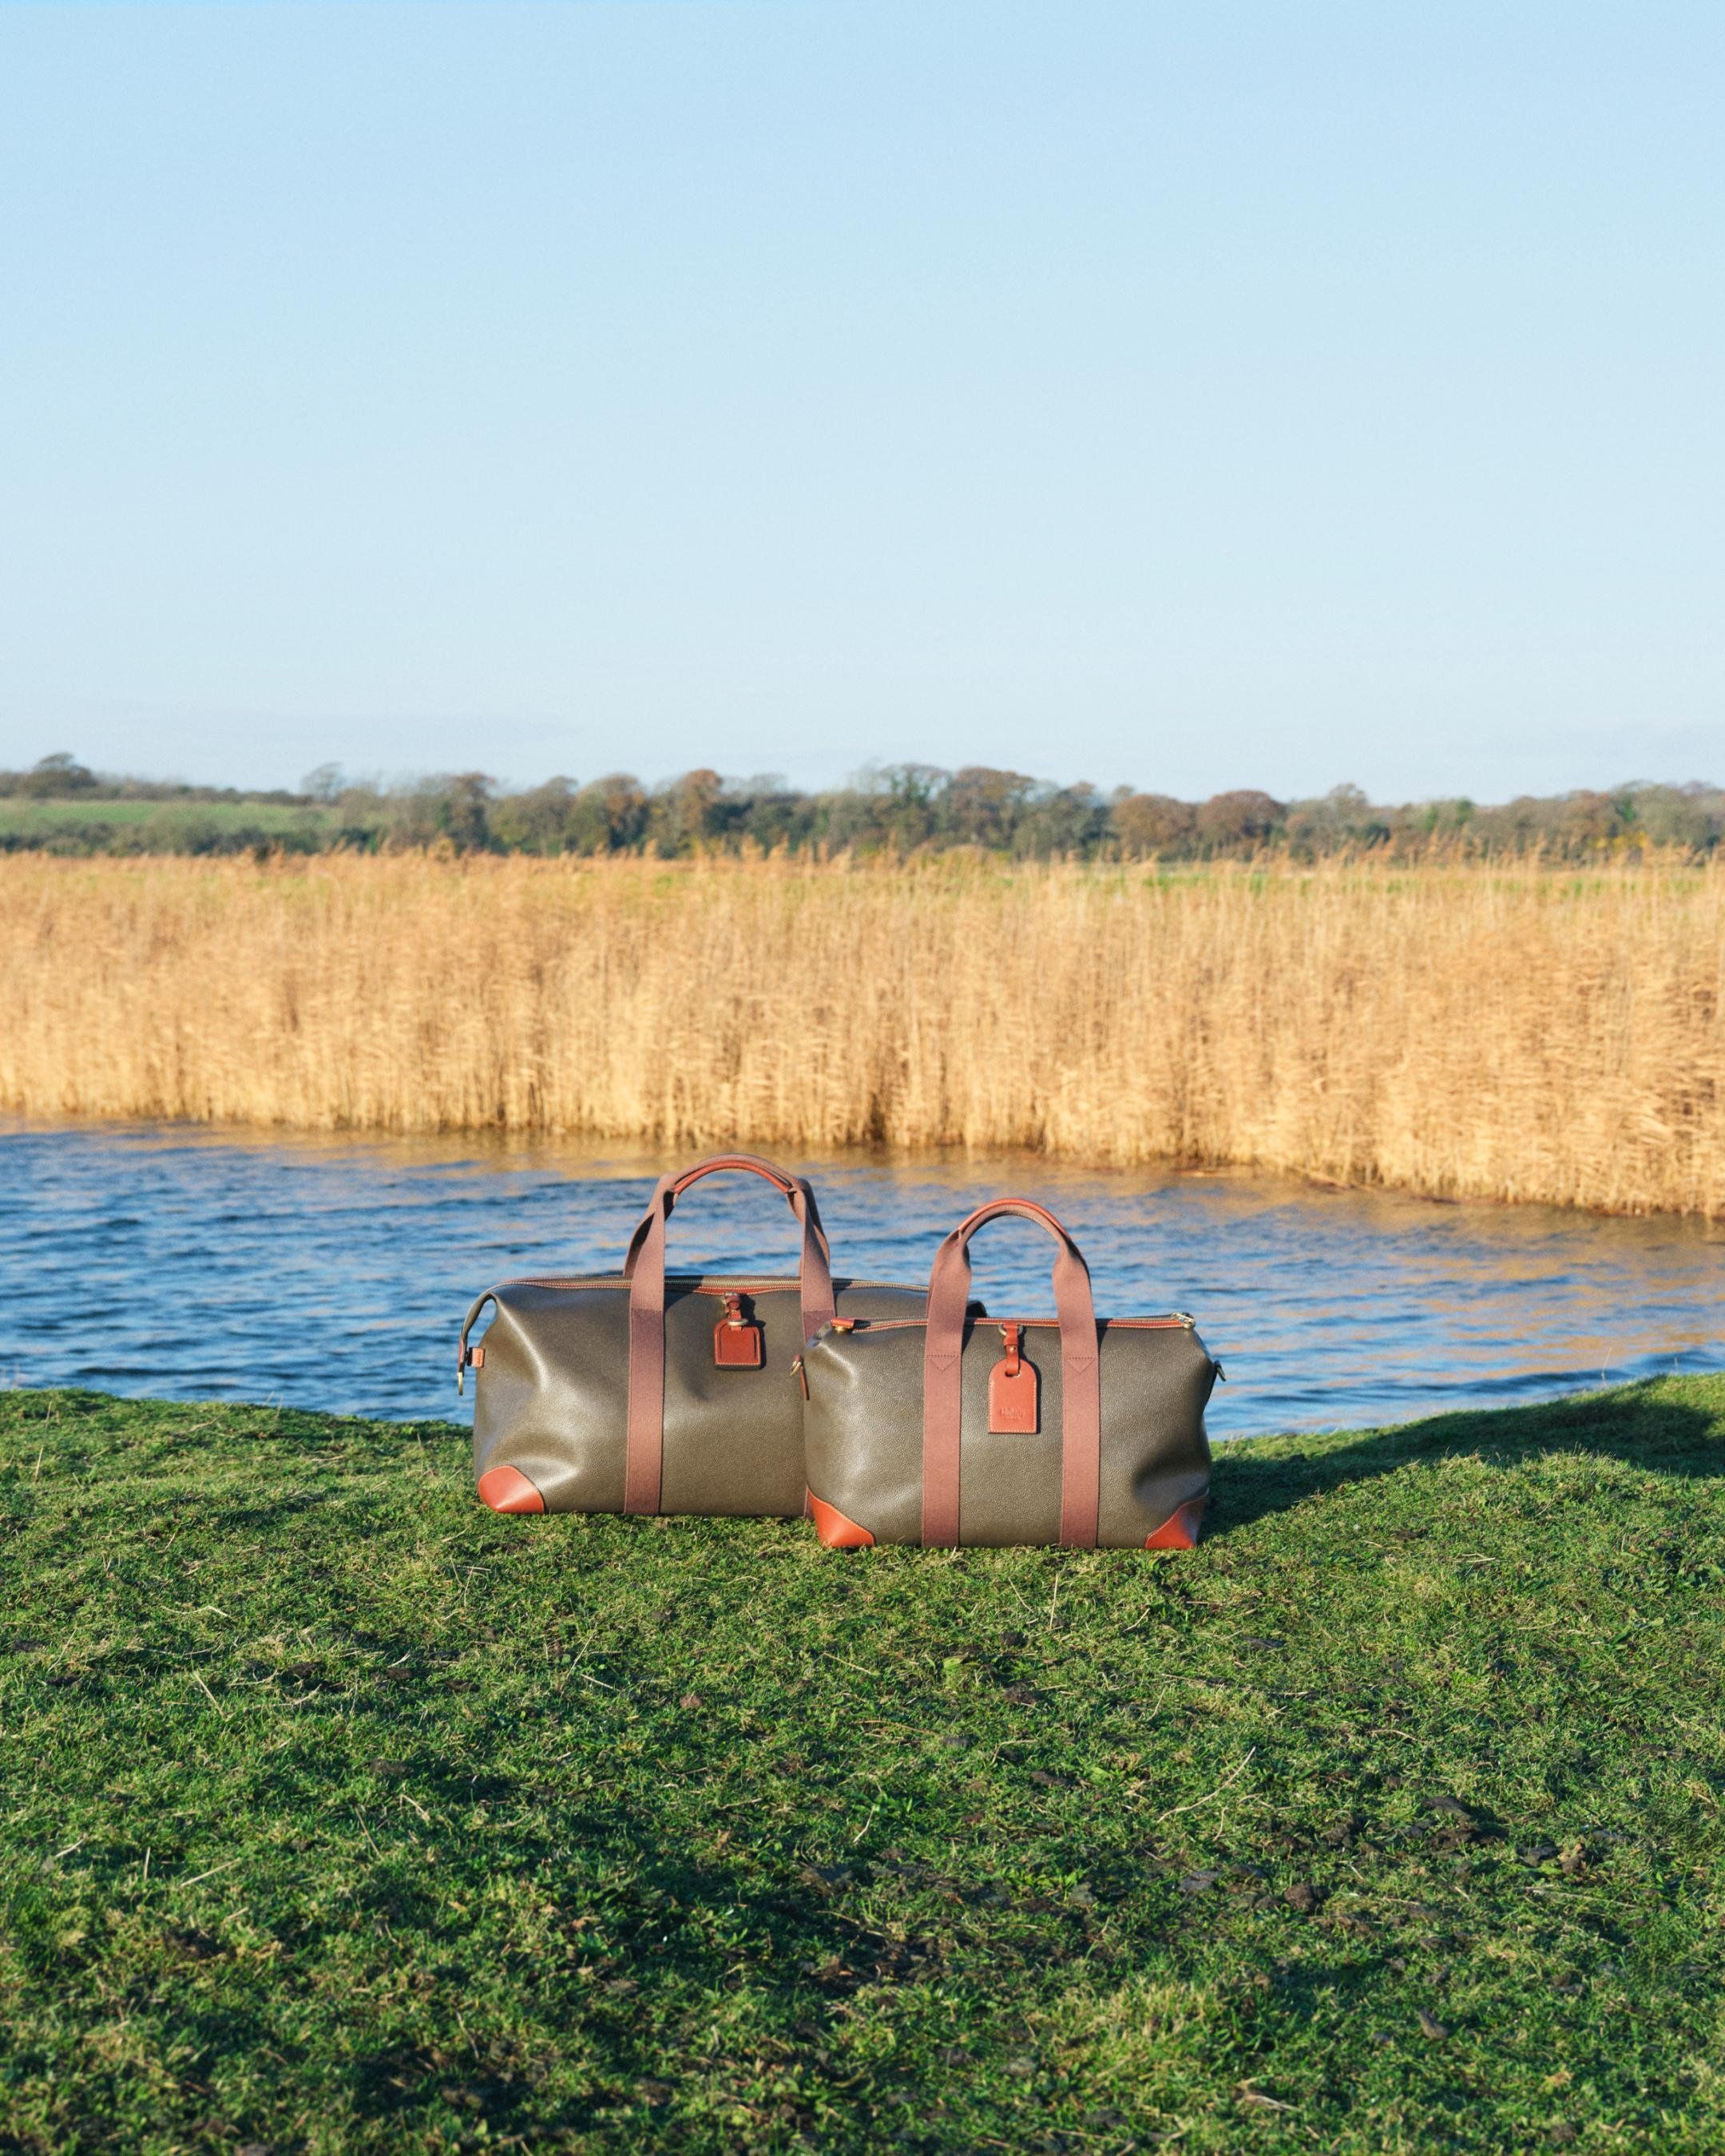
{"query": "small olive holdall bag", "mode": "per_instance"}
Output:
(645, 1391)
(943, 1430)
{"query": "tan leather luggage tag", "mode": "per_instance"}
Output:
(1012, 1391)
(737, 1339)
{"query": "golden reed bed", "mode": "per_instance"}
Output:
(1469, 1030)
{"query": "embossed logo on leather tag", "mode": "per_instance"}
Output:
(737, 1339)
(1012, 1391)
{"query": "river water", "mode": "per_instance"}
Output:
(333, 1273)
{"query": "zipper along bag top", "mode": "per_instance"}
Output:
(943, 1428)
(650, 1391)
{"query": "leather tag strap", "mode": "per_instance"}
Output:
(643, 1268)
(1081, 1381)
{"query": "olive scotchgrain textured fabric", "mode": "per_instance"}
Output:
(870, 1430)
(552, 1393)
(863, 1433)
(648, 1391)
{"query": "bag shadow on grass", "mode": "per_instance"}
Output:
(1633, 1424)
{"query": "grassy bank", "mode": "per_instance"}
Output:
(342, 1815)
(80, 825)
(1514, 1034)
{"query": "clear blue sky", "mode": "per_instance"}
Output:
(1186, 396)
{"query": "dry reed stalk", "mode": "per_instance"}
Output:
(1466, 1031)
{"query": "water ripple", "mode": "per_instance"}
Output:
(333, 1273)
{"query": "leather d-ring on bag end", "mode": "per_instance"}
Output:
(651, 1391)
(946, 1429)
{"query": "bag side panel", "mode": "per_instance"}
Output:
(879, 1299)
(1009, 1482)
(862, 1429)
(733, 1437)
(551, 1397)
(1155, 1455)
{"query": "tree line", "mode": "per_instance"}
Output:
(902, 809)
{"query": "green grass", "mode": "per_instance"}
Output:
(24, 817)
(340, 1814)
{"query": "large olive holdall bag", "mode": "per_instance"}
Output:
(944, 1429)
(645, 1391)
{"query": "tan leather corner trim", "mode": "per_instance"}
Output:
(507, 1490)
(1179, 1531)
(834, 1530)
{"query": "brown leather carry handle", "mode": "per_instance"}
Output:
(670, 1188)
(1081, 1381)
(643, 1268)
